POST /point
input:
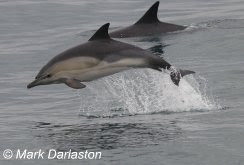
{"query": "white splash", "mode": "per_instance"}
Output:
(144, 92)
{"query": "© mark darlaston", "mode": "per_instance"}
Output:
(99, 57)
(149, 24)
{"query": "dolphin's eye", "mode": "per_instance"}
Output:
(48, 76)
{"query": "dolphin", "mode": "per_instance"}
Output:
(147, 25)
(99, 57)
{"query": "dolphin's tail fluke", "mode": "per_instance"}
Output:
(176, 74)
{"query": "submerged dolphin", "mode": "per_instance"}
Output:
(99, 57)
(149, 24)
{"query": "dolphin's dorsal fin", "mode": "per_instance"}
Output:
(101, 33)
(151, 16)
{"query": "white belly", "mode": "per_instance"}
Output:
(101, 70)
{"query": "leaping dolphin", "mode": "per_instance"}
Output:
(99, 57)
(149, 24)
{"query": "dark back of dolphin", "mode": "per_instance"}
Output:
(148, 24)
(100, 46)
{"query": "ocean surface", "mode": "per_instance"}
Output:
(133, 117)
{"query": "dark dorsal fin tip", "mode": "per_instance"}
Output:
(101, 33)
(151, 16)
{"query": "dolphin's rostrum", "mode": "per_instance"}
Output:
(99, 57)
(147, 25)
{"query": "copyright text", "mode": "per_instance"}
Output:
(50, 154)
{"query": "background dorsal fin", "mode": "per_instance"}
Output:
(101, 33)
(151, 16)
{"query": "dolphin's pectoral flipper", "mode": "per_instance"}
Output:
(176, 75)
(76, 84)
